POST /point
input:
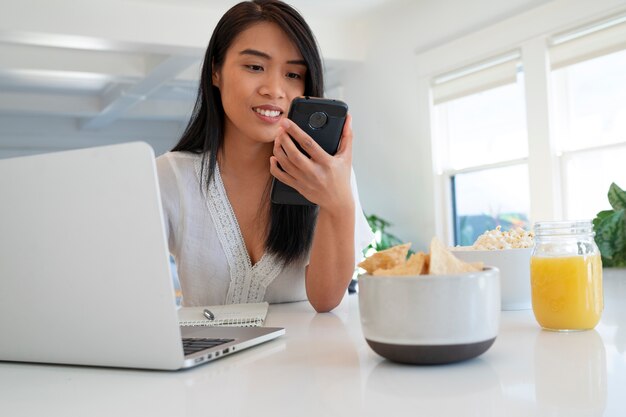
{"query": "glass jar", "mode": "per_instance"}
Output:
(566, 276)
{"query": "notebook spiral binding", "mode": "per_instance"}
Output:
(246, 322)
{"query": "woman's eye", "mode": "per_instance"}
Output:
(294, 75)
(255, 67)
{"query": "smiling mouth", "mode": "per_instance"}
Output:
(268, 113)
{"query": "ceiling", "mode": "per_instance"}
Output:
(94, 68)
(309, 8)
(100, 62)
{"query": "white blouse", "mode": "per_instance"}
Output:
(204, 238)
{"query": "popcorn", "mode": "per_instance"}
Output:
(497, 239)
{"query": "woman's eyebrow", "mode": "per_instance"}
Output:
(264, 55)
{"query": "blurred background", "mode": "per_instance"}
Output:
(467, 114)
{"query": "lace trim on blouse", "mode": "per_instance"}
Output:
(247, 282)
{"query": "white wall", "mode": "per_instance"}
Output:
(142, 24)
(389, 99)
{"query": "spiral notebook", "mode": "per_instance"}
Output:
(239, 315)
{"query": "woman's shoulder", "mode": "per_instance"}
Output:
(177, 168)
(179, 156)
(176, 161)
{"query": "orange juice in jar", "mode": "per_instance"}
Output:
(566, 276)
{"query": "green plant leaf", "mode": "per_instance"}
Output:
(617, 197)
(602, 214)
(378, 225)
(610, 230)
(600, 217)
(619, 259)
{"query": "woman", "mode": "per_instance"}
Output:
(230, 243)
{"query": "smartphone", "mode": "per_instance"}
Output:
(323, 120)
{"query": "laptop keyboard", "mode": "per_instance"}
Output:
(192, 345)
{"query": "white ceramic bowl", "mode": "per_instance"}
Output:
(514, 266)
(428, 319)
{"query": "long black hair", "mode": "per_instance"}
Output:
(290, 230)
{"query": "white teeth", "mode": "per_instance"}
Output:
(268, 113)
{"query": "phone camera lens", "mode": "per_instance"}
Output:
(318, 120)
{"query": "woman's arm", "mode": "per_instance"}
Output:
(332, 259)
(324, 180)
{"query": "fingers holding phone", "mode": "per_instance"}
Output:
(304, 150)
(345, 143)
(305, 142)
(290, 152)
(281, 167)
(326, 184)
(288, 165)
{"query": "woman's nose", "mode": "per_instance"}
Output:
(273, 86)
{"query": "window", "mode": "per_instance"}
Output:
(487, 198)
(590, 128)
(482, 142)
(513, 147)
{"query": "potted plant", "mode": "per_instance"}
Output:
(610, 228)
(382, 240)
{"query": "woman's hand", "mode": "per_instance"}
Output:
(323, 179)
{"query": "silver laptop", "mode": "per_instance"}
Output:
(84, 266)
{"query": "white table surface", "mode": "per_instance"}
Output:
(323, 367)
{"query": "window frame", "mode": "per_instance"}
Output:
(544, 164)
(441, 138)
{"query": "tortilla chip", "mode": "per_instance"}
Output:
(478, 265)
(443, 262)
(426, 267)
(386, 259)
(413, 266)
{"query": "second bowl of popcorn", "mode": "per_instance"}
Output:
(509, 251)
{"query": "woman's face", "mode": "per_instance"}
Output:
(261, 73)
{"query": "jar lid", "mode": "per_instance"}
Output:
(564, 227)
